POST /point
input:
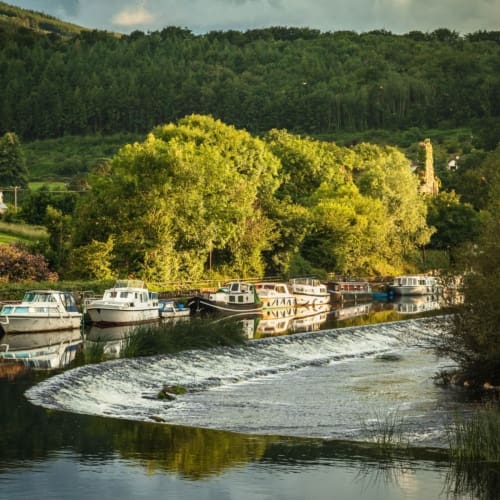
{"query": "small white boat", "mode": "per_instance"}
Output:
(415, 285)
(232, 298)
(128, 302)
(309, 291)
(41, 311)
(273, 294)
(173, 309)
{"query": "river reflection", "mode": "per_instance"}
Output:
(58, 455)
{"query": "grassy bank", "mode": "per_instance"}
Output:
(24, 233)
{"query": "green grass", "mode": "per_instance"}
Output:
(24, 233)
(51, 185)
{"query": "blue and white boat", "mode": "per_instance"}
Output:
(41, 311)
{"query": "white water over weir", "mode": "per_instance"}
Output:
(327, 384)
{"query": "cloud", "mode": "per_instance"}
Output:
(133, 16)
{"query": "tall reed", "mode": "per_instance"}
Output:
(168, 337)
(476, 438)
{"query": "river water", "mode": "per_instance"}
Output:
(291, 416)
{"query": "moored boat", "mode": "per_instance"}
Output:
(275, 294)
(309, 291)
(415, 285)
(232, 298)
(173, 309)
(41, 311)
(347, 290)
(128, 302)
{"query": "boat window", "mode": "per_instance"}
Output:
(240, 298)
(123, 295)
(113, 294)
(232, 298)
(235, 287)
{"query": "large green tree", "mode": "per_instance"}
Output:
(13, 171)
(192, 196)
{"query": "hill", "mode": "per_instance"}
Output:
(13, 19)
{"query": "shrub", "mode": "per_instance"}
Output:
(18, 264)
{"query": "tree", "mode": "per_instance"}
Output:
(13, 170)
(92, 261)
(192, 190)
(456, 223)
(472, 340)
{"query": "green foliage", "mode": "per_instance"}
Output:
(472, 340)
(59, 228)
(92, 261)
(17, 263)
(286, 78)
(35, 203)
(456, 223)
(189, 190)
(13, 170)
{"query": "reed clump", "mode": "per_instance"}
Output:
(477, 437)
(387, 431)
(170, 338)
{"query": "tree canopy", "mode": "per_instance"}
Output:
(200, 196)
(297, 79)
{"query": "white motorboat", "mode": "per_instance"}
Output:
(41, 311)
(128, 302)
(415, 285)
(172, 309)
(275, 294)
(309, 291)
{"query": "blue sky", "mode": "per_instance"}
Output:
(201, 16)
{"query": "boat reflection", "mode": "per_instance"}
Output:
(352, 311)
(415, 304)
(112, 339)
(41, 350)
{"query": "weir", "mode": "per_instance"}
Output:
(318, 384)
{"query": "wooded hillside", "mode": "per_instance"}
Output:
(297, 79)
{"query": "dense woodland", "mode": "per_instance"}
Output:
(61, 83)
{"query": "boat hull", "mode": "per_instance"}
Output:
(200, 304)
(107, 315)
(13, 324)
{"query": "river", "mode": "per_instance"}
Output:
(293, 416)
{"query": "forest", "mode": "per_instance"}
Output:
(63, 82)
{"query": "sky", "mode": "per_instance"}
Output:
(202, 16)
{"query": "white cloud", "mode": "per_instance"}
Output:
(133, 16)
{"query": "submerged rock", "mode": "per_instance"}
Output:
(389, 356)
